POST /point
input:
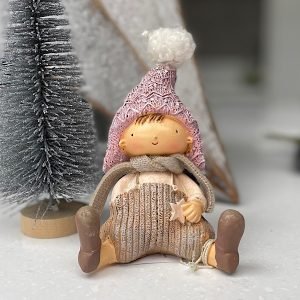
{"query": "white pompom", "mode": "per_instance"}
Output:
(171, 46)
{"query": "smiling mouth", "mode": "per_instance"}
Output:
(155, 143)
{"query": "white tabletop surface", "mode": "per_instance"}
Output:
(269, 251)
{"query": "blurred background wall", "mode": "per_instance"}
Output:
(249, 52)
(281, 48)
(230, 28)
(261, 35)
(228, 36)
(249, 55)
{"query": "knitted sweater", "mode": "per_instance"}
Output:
(170, 164)
(182, 182)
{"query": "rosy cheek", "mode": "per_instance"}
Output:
(175, 146)
(178, 144)
(135, 145)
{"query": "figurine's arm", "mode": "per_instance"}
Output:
(196, 202)
(191, 189)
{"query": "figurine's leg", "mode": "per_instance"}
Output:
(108, 254)
(88, 226)
(223, 254)
(211, 260)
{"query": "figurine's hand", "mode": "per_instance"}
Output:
(192, 210)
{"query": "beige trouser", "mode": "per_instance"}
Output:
(139, 224)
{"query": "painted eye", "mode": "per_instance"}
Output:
(132, 134)
(176, 131)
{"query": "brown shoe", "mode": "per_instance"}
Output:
(88, 226)
(230, 230)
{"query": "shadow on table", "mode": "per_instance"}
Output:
(250, 269)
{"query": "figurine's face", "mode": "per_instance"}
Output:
(155, 134)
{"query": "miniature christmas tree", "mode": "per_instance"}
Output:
(47, 137)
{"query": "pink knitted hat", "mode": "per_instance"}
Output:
(156, 94)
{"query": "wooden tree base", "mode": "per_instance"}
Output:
(53, 224)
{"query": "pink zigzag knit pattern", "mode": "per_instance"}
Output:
(154, 94)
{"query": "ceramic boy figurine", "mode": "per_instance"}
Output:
(154, 167)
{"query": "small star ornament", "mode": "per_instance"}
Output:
(177, 212)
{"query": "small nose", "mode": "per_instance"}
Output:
(155, 137)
